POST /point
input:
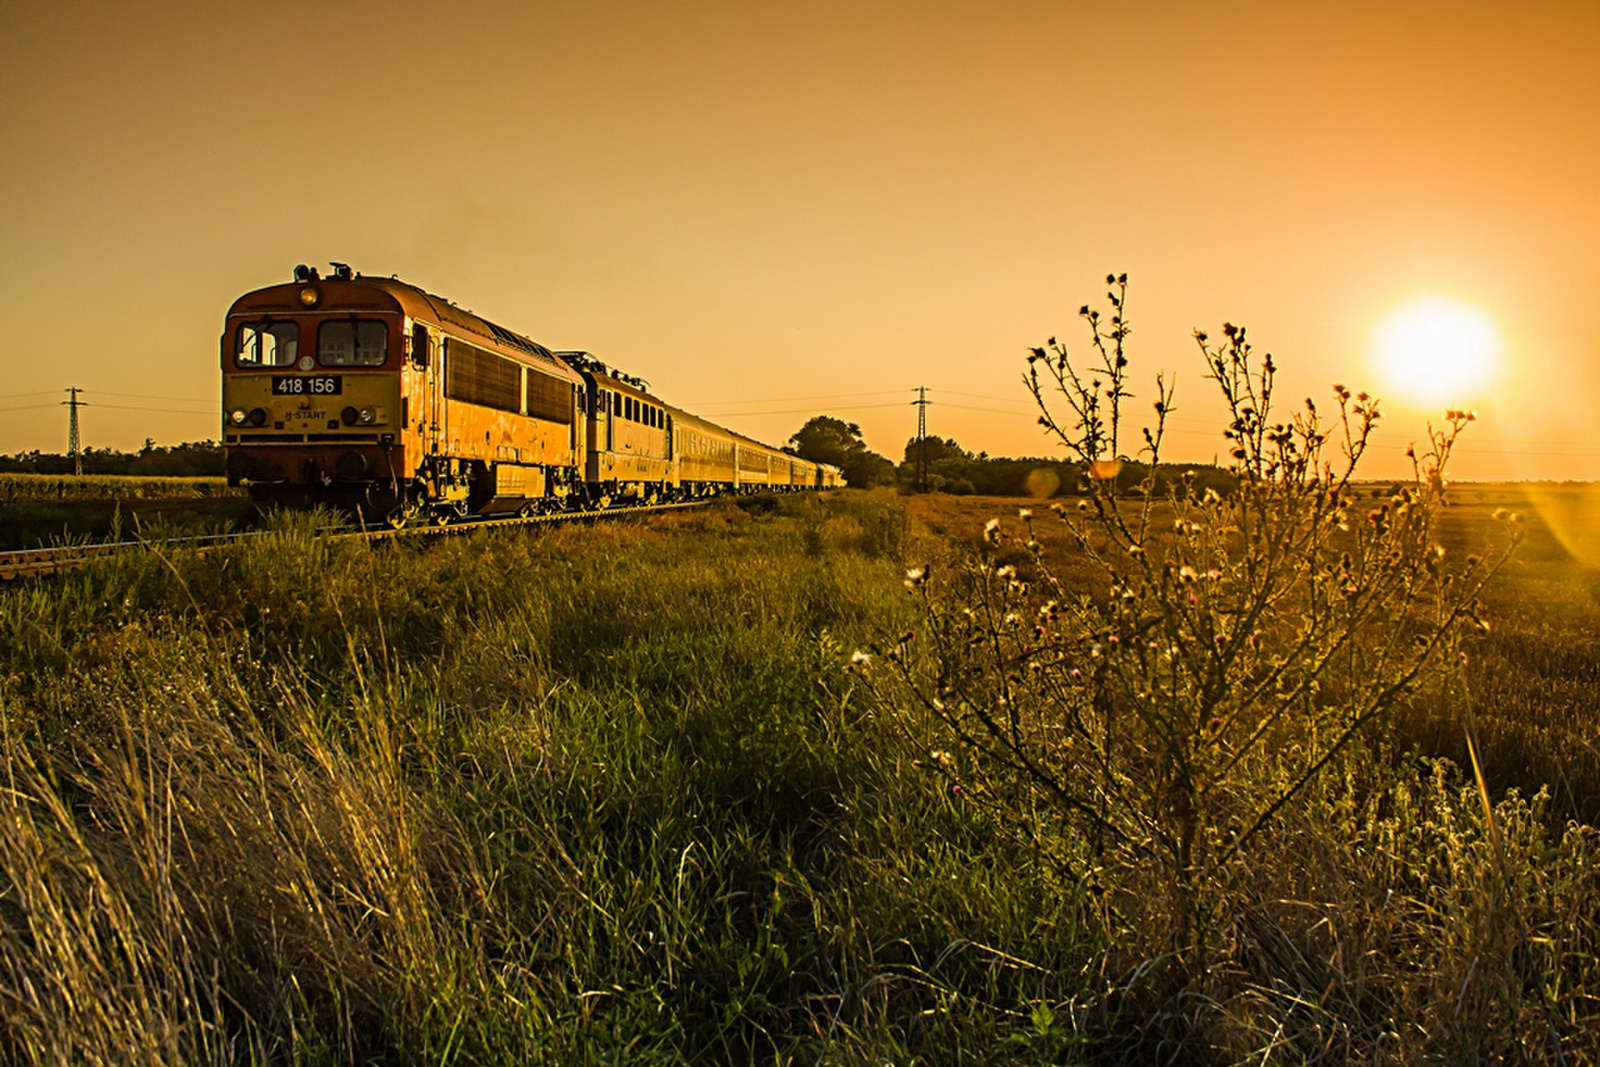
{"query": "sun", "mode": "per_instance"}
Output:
(1437, 351)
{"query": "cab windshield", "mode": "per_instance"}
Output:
(352, 343)
(268, 344)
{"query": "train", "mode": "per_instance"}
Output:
(374, 395)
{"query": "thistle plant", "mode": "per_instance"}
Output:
(1227, 651)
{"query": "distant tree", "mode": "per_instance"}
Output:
(189, 459)
(936, 449)
(825, 439)
(867, 468)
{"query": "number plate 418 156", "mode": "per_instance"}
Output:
(299, 385)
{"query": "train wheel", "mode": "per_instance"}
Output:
(408, 513)
(445, 514)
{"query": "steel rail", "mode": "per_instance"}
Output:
(41, 562)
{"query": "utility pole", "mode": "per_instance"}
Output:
(921, 404)
(73, 449)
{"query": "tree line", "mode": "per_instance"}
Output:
(191, 459)
(952, 469)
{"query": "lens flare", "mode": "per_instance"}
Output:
(1571, 512)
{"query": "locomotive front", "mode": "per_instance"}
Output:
(312, 399)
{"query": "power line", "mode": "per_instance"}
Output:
(165, 411)
(791, 411)
(984, 396)
(149, 396)
(992, 411)
(791, 399)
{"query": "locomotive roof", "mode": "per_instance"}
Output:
(410, 299)
(460, 317)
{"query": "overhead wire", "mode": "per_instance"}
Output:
(165, 411)
(793, 399)
(792, 411)
(151, 396)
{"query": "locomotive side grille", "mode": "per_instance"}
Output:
(480, 377)
(549, 398)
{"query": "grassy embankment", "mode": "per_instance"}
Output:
(605, 794)
(43, 509)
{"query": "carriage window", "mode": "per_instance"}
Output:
(268, 344)
(352, 343)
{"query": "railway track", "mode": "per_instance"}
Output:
(41, 562)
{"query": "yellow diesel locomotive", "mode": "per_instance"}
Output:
(372, 394)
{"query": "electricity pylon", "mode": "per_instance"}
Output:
(921, 404)
(73, 448)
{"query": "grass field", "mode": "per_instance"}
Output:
(43, 509)
(611, 794)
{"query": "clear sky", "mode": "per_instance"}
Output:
(774, 210)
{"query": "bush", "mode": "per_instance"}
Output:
(1235, 662)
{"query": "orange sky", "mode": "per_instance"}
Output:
(757, 205)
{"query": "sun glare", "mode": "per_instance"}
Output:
(1437, 351)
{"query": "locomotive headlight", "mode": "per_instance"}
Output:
(309, 296)
(238, 417)
(367, 415)
(257, 416)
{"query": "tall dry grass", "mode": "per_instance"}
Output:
(608, 795)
